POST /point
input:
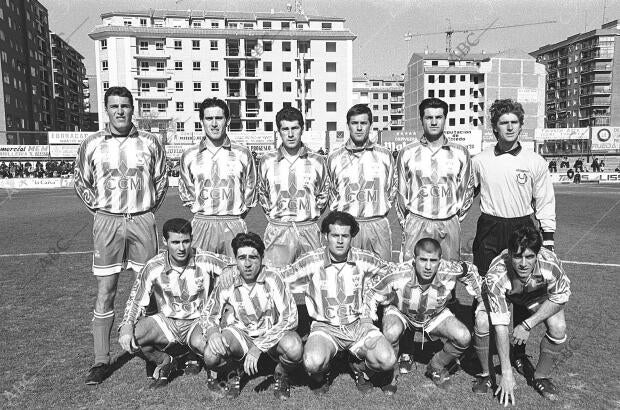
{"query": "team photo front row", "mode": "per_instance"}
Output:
(229, 311)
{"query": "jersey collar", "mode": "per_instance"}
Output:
(133, 132)
(351, 147)
(203, 143)
(191, 263)
(303, 152)
(445, 144)
(238, 281)
(514, 152)
(327, 260)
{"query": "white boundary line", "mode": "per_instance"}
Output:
(18, 255)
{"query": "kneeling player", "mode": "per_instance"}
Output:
(528, 275)
(265, 317)
(334, 279)
(418, 293)
(181, 279)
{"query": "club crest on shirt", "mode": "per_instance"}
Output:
(521, 178)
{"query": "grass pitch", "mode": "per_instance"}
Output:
(47, 296)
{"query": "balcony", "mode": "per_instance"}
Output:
(152, 95)
(597, 55)
(595, 79)
(304, 56)
(397, 122)
(152, 54)
(594, 101)
(397, 111)
(397, 100)
(596, 67)
(152, 75)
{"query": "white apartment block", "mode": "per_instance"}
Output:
(385, 96)
(258, 63)
(471, 83)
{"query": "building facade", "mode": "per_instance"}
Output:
(257, 62)
(69, 76)
(583, 79)
(470, 84)
(385, 95)
(25, 67)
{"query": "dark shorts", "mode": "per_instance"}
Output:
(122, 243)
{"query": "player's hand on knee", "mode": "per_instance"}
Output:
(520, 334)
(505, 389)
(127, 342)
(218, 344)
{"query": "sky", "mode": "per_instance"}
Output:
(380, 26)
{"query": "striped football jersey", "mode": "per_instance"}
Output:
(363, 181)
(502, 282)
(334, 291)
(264, 309)
(293, 191)
(121, 175)
(434, 185)
(218, 183)
(418, 303)
(178, 295)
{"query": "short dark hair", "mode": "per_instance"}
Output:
(177, 225)
(250, 240)
(507, 106)
(340, 218)
(213, 102)
(524, 237)
(433, 103)
(359, 109)
(118, 91)
(428, 245)
(289, 114)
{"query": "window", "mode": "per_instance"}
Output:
(431, 93)
(442, 78)
(286, 104)
(197, 86)
(375, 107)
(286, 25)
(197, 126)
(161, 86)
(180, 126)
(104, 44)
(330, 107)
(146, 108)
(286, 67)
(462, 107)
(177, 45)
(286, 46)
(385, 107)
(178, 65)
(106, 85)
(451, 122)
(442, 93)
(195, 44)
(435, 62)
(330, 67)
(375, 118)
(266, 65)
(267, 86)
(178, 86)
(268, 107)
(215, 24)
(462, 78)
(215, 86)
(453, 79)
(179, 106)
(451, 107)
(452, 93)
(160, 65)
(104, 65)
(267, 46)
(462, 121)
(431, 78)
(161, 107)
(330, 87)
(286, 87)
(326, 26)
(375, 96)
(142, 22)
(127, 23)
(385, 96)
(385, 119)
(267, 25)
(196, 106)
(144, 45)
(331, 126)
(159, 45)
(213, 44)
(269, 126)
(196, 65)
(196, 24)
(214, 66)
(146, 87)
(330, 46)
(144, 66)
(462, 92)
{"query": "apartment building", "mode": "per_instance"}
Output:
(385, 97)
(471, 83)
(583, 79)
(26, 101)
(69, 75)
(257, 62)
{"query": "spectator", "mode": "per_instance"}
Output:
(553, 166)
(564, 163)
(601, 165)
(578, 165)
(617, 169)
(595, 165)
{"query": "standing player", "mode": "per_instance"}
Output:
(334, 279)
(363, 183)
(218, 181)
(417, 293)
(120, 175)
(264, 320)
(181, 278)
(514, 184)
(532, 277)
(435, 185)
(293, 189)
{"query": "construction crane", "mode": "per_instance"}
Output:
(450, 31)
